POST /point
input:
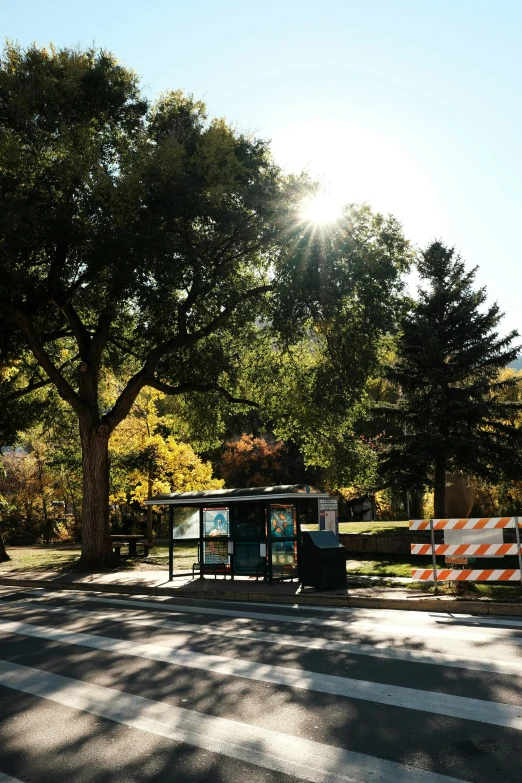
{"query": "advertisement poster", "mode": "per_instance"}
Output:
(216, 552)
(282, 521)
(215, 522)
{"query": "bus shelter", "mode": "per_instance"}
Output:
(254, 531)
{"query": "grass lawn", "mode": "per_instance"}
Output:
(40, 558)
(56, 557)
(184, 557)
(402, 565)
(385, 528)
(384, 565)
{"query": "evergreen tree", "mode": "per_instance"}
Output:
(452, 411)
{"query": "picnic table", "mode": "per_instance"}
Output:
(132, 541)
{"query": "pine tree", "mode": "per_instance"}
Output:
(452, 413)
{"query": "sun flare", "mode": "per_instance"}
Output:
(355, 164)
(321, 208)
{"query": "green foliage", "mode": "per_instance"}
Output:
(342, 298)
(453, 412)
(137, 239)
(162, 246)
(128, 227)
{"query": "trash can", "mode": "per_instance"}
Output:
(322, 560)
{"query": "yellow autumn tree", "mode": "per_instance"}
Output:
(145, 462)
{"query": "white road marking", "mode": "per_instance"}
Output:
(493, 713)
(6, 779)
(408, 631)
(504, 622)
(305, 759)
(411, 618)
(311, 643)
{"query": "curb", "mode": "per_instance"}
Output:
(429, 604)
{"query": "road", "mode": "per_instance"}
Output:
(103, 688)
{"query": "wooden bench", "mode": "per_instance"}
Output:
(146, 546)
(117, 545)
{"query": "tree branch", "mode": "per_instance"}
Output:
(185, 388)
(65, 390)
(184, 341)
(63, 302)
(33, 386)
(100, 338)
(146, 376)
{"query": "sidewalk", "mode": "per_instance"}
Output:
(248, 589)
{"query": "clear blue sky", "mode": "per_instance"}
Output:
(413, 106)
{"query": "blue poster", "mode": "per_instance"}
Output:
(282, 521)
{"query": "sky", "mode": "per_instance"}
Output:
(414, 107)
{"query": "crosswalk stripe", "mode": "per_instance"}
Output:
(310, 643)
(205, 610)
(419, 618)
(424, 631)
(494, 713)
(306, 759)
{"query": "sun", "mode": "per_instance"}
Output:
(360, 164)
(320, 209)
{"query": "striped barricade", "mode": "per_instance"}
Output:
(467, 550)
(470, 575)
(463, 524)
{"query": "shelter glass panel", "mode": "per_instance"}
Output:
(247, 559)
(186, 522)
(248, 522)
(308, 510)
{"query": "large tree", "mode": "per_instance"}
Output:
(144, 240)
(342, 300)
(452, 410)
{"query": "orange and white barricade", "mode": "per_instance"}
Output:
(465, 550)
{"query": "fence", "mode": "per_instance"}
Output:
(463, 550)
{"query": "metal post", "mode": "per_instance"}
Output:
(517, 533)
(232, 520)
(171, 542)
(298, 536)
(201, 532)
(433, 558)
(269, 544)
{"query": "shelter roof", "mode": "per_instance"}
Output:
(288, 491)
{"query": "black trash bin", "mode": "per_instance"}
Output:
(322, 560)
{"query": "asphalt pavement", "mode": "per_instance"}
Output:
(101, 688)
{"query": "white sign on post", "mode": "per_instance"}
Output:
(329, 514)
(476, 536)
(330, 518)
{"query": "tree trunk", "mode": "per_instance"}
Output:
(96, 546)
(149, 496)
(439, 501)
(46, 526)
(4, 557)
(416, 498)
